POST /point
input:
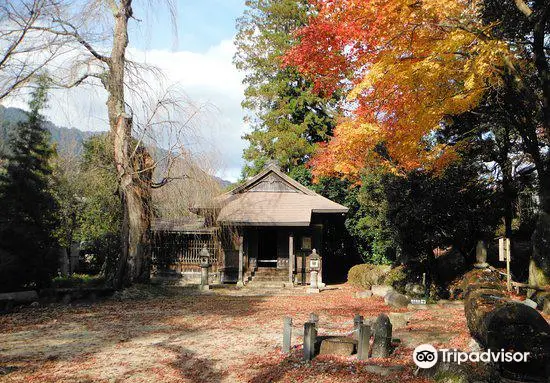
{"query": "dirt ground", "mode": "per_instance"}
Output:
(224, 336)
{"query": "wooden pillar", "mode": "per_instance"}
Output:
(291, 259)
(241, 262)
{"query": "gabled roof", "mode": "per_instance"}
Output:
(273, 199)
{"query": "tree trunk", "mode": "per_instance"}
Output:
(539, 267)
(135, 174)
(498, 323)
(134, 165)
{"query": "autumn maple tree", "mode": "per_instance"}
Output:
(406, 65)
(409, 66)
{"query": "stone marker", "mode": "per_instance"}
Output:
(382, 331)
(381, 290)
(363, 343)
(357, 322)
(363, 294)
(287, 335)
(415, 289)
(314, 318)
(481, 255)
(337, 345)
(395, 299)
(310, 336)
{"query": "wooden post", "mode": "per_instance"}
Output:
(291, 259)
(363, 342)
(287, 335)
(508, 259)
(240, 282)
(310, 335)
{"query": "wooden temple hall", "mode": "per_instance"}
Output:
(268, 226)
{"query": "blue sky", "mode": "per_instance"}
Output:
(198, 62)
(201, 24)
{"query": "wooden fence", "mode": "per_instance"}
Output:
(181, 252)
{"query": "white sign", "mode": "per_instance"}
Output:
(503, 249)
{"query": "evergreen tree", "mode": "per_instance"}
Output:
(27, 245)
(286, 115)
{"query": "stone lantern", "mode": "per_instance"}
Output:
(204, 256)
(314, 267)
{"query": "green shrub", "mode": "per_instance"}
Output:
(397, 278)
(78, 280)
(366, 275)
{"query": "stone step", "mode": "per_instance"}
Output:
(263, 285)
(269, 278)
(270, 271)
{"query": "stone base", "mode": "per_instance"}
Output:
(481, 265)
(338, 345)
(240, 284)
(204, 287)
(313, 291)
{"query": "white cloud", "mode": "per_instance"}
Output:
(208, 77)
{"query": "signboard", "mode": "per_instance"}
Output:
(418, 301)
(504, 249)
(306, 243)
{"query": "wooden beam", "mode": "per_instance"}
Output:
(291, 258)
(241, 261)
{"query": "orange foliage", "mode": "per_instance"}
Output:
(406, 65)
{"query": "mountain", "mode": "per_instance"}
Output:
(68, 140)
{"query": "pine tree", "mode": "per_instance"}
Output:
(27, 244)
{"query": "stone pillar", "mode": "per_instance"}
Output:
(314, 267)
(204, 278)
(204, 256)
(310, 336)
(287, 335)
(382, 332)
(320, 282)
(481, 255)
(313, 283)
(240, 282)
(357, 322)
(291, 260)
(363, 342)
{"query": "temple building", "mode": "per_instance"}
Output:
(266, 227)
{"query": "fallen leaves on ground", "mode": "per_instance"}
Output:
(206, 338)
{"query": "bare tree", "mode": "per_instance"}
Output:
(24, 52)
(99, 55)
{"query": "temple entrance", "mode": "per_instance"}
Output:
(267, 248)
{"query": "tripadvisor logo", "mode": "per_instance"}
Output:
(426, 356)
